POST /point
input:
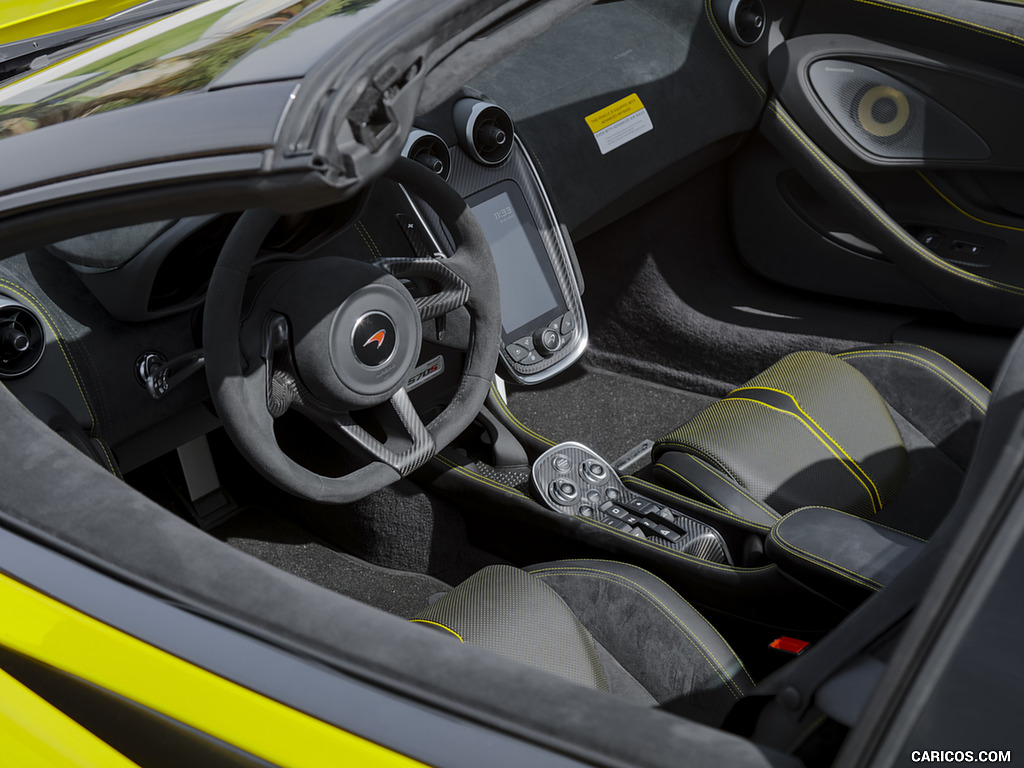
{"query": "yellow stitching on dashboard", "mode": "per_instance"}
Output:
(732, 53)
(893, 228)
(970, 26)
(897, 355)
(364, 233)
(52, 325)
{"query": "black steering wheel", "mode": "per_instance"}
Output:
(333, 336)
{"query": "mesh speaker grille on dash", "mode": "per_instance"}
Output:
(889, 118)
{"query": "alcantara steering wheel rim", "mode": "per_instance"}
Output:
(239, 383)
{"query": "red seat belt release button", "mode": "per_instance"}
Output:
(789, 645)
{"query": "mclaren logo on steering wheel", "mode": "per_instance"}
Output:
(374, 339)
(377, 338)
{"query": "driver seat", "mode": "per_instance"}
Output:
(607, 625)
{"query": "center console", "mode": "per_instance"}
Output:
(573, 480)
(472, 144)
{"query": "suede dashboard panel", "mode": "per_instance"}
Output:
(809, 430)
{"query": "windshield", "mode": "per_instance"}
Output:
(181, 53)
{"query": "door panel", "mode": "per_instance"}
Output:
(895, 171)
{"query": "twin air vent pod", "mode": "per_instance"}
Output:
(485, 130)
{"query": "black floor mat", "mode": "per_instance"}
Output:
(285, 545)
(608, 412)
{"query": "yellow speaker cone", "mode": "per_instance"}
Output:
(865, 111)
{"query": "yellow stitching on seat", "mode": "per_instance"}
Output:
(970, 26)
(774, 517)
(923, 362)
(885, 221)
(364, 233)
(517, 422)
(871, 498)
(437, 624)
(821, 562)
(480, 478)
(729, 50)
(861, 519)
(962, 211)
(708, 458)
(664, 610)
(831, 439)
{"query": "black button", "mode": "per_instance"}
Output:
(568, 323)
(631, 519)
(614, 510)
(531, 358)
(637, 503)
(621, 526)
(517, 352)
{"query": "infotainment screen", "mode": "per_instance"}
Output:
(530, 296)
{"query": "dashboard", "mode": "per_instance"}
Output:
(135, 329)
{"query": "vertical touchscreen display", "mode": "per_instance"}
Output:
(530, 296)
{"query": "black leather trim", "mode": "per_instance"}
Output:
(841, 555)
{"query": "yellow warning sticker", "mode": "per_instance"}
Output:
(619, 123)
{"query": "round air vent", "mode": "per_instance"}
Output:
(485, 130)
(744, 20)
(430, 150)
(21, 340)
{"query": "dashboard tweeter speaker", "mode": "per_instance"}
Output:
(21, 340)
(485, 130)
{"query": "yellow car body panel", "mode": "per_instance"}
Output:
(34, 732)
(50, 632)
(22, 19)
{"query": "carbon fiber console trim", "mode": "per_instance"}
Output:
(573, 480)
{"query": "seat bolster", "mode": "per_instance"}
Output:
(506, 610)
(654, 633)
(738, 507)
(944, 402)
